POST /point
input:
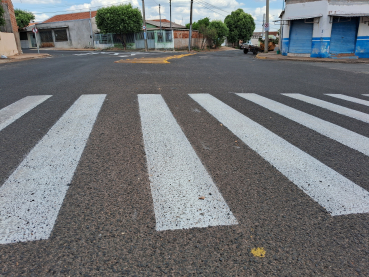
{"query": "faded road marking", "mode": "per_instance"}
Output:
(14, 111)
(337, 194)
(183, 192)
(31, 197)
(330, 130)
(349, 98)
(330, 106)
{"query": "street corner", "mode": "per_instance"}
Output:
(24, 57)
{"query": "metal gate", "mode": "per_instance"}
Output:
(344, 33)
(140, 42)
(301, 37)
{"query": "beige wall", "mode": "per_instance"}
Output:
(8, 47)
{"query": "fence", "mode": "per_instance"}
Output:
(155, 40)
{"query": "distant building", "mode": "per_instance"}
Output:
(326, 28)
(74, 30)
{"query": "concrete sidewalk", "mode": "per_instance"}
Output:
(23, 57)
(273, 56)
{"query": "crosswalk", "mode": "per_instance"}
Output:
(183, 192)
(113, 54)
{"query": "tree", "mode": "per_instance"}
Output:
(241, 25)
(122, 19)
(221, 32)
(23, 18)
(196, 25)
(2, 20)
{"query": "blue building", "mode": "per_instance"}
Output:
(325, 28)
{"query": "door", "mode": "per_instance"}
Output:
(33, 40)
(301, 37)
(343, 37)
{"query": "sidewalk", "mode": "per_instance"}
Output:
(273, 56)
(23, 57)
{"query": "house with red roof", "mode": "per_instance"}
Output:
(74, 30)
(79, 30)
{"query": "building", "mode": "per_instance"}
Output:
(73, 30)
(257, 35)
(325, 28)
(9, 36)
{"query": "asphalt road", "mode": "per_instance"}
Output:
(97, 185)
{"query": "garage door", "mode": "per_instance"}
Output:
(301, 37)
(344, 32)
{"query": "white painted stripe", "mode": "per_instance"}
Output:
(349, 98)
(366, 94)
(329, 106)
(335, 132)
(31, 197)
(14, 111)
(177, 176)
(335, 193)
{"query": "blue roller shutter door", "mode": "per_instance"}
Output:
(343, 37)
(301, 37)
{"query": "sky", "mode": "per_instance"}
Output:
(214, 9)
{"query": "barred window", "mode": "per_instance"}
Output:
(61, 35)
(160, 37)
(168, 35)
(46, 36)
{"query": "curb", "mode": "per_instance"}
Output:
(313, 60)
(12, 60)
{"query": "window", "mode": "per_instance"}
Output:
(168, 35)
(160, 37)
(61, 35)
(46, 36)
(23, 36)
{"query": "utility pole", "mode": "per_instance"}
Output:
(160, 18)
(170, 13)
(92, 40)
(267, 28)
(190, 36)
(144, 24)
(263, 31)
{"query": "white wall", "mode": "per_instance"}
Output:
(8, 47)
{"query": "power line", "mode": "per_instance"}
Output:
(72, 11)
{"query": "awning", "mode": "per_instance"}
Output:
(303, 17)
(350, 14)
(286, 20)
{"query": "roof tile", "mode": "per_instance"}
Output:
(70, 16)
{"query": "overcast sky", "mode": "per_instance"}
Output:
(214, 9)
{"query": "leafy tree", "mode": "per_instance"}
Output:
(203, 27)
(241, 25)
(2, 20)
(221, 32)
(122, 19)
(23, 18)
(197, 24)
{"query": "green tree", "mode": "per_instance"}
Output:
(23, 18)
(197, 24)
(122, 19)
(221, 31)
(241, 25)
(2, 20)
